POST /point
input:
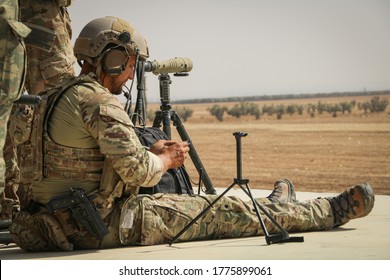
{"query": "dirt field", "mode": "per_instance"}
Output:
(321, 154)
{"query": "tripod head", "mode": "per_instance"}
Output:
(165, 98)
(180, 66)
(239, 134)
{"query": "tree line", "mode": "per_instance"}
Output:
(281, 97)
(245, 108)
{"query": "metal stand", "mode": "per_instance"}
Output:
(164, 117)
(243, 184)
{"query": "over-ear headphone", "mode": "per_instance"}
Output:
(115, 59)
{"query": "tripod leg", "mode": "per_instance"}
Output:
(259, 206)
(193, 154)
(249, 193)
(199, 216)
(275, 238)
(157, 119)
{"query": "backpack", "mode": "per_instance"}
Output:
(174, 180)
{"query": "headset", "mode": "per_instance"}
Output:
(114, 59)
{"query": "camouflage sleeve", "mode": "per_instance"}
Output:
(114, 132)
(49, 46)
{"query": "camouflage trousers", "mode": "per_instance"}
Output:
(156, 219)
(5, 110)
(16, 190)
(150, 220)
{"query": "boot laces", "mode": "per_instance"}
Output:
(344, 204)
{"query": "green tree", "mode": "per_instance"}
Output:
(311, 109)
(217, 111)
(291, 109)
(280, 110)
(268, 109)
(334, 108)
(378, 105)
(300, 109)
(346, 107)
(244, 109)
(321, 107)
(365, 106)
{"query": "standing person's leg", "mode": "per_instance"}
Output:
(50, 62)
(12, 68)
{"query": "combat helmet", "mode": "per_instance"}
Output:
(103, 32)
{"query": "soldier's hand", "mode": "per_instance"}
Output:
(157, 147)
(174, 153)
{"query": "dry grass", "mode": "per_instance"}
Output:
(321, 154)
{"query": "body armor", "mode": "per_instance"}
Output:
(41, 157)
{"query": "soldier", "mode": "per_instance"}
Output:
(50, 62)
(12, 71)
(83, 139)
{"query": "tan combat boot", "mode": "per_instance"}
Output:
(283, 192)
(355, 202)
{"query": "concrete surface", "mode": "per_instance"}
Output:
(367, 238)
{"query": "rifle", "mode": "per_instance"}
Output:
(82, 210)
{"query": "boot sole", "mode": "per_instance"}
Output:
(369, 197)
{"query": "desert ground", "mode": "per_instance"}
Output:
(320, 154)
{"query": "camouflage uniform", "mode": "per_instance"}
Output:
(90, 143)
(156, 219)
(10, 203)
(81, 137)
(12, 68)
(87, 134)
(50, 63)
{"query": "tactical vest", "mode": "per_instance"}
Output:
(41, 157)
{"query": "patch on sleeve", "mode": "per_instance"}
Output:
(116, 113)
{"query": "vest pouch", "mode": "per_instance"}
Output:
(26, 158)
(21, 124)
(30, 152)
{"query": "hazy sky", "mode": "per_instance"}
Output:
(257, 47)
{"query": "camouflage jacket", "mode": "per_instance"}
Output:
(81, 127)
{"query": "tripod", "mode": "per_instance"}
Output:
(243, 184)
(164, 117)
